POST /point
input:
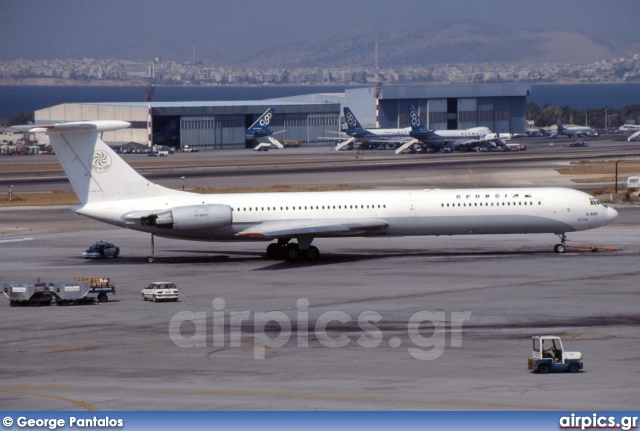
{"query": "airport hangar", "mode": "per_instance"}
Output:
(308, 119)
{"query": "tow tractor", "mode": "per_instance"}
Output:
(549, 356)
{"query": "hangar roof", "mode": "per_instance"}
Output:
(454, 91)
(228, 107)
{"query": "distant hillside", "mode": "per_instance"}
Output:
(469, 42)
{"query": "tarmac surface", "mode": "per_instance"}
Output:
(453, 328)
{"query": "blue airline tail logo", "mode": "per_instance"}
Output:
(266, 118)
(414, 118)
(352, 121)
(261, 127)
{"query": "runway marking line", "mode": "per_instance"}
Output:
(254, 343)
(53, 397)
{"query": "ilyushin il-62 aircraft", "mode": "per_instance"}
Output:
(112, 192)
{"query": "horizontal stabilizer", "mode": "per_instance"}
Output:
(81, 126)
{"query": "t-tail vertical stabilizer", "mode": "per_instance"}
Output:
(95, 171)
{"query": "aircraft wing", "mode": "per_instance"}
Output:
(314, 227)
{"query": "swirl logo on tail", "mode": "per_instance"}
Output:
(351, 121)
(101, 161)
(266, 120)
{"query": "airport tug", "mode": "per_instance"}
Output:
(549, 356)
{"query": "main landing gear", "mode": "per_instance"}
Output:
(291, 251)
(562, 247)
(151, 258)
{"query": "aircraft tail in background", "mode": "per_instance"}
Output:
(261, 128)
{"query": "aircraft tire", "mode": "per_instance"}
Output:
(559, 248)
(292, 252)
(312, 254)
(151, 259)
(275, 251)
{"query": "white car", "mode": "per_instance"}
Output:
(101, 250)
(160, 291)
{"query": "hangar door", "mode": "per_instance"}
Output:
(467, 113)
(206, 132)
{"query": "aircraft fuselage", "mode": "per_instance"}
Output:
(406, 212)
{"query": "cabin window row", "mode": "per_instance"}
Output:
(312, 207)
(486, 204)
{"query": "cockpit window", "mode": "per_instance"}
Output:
(596, 202)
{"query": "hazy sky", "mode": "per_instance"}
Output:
(48, 29)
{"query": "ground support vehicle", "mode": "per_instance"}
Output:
(99, 286)
(77, 292)
(101, 250)
(548, 356)
(28, 293)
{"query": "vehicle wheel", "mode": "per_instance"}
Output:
(274, 251)
(175, 300)
(150, 259)
(155, 299)
(573, 368)
(313, 254)
(544, 368)
(559, 248)
(13, 304)
(103, 298)
(143, 298)
(117, 253)
(291, 253)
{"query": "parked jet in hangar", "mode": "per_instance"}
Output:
(454, 138)
(111, 191)
(260, 129)
(360, 134)
(572, 130)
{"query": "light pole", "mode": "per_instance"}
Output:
(586, 118)
(182, 178)
(617, 161)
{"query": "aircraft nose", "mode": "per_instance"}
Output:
(611, 214)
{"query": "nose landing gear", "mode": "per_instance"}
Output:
(562, 247)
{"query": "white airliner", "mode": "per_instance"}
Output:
(358, 133)
(473, 137)
(572, 130)
(625, 128)
(112, 192)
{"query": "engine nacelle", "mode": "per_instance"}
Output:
(185, 218)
